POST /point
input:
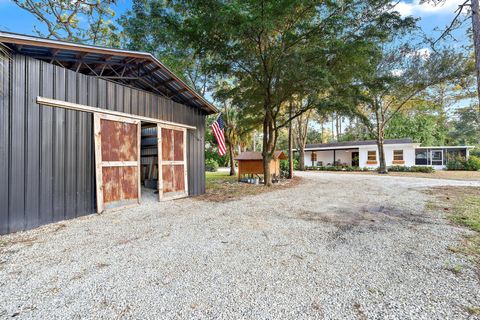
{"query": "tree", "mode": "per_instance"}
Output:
(300, 128)
(402, 75)
(290, 142)
(147, 28)
(466, 126)
(471, 9)
(81, 21)
(427, 129)
(275, 50)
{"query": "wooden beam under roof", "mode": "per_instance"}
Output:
(79, 107)
(178, 92)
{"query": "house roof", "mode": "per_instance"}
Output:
(348, 144)
(249, 155)
(137, 69)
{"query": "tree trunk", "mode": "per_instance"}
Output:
(381, 154)
(333, 127)
(337, 127)
(232, 161)
(290, 149)
(476, 41)
(322, 135)
(301, 161)
(267, 178)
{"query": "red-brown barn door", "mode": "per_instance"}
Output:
(117, 158)
(172, 180)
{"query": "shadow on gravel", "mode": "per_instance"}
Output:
(365, 216)
(349, 221)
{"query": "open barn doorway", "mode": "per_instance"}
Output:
(163, 162)
(138, 161)
(149, 164)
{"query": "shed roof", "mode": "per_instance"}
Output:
(249, 155)
(356, 143)
(137, 69)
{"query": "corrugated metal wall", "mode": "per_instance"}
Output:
(46, 154)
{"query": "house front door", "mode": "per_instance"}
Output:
(437, 157)
(355, 156)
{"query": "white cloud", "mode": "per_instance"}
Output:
(417, 9)
(424, 52)
(397, 72)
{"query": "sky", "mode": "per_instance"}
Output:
(14, 19)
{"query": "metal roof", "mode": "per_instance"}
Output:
(356, 143)
(137, 69)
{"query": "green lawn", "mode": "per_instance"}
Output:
(215, 177)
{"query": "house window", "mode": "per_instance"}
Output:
(398, 155)
(372, 155)
(421, 157)
(314, 156)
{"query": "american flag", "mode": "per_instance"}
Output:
(217, 128)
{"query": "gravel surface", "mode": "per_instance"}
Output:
(335, 246)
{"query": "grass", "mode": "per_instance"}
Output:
(462, 207)
(221, 187)
(456, 269)
(442, 174)
(467, 212)
(213, 179)
(439, 174)
(474, 311)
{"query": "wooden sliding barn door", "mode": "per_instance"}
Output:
(172, 159)
(117, 161)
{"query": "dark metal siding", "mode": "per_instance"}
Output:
(46, 154)
(5, 66)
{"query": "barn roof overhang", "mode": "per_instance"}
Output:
(133, 68)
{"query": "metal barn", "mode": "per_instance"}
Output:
(73, 122)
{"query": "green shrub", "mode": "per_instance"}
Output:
(475, 152)
(398, 168)
(457, 163)
(211, 165)
(332, 168)
(284, 167)
(473, 163)
(423, 169)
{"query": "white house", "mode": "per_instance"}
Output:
(398, 152)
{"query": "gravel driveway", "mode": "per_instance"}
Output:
(335, 246)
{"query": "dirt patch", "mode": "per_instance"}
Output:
(27, 241)
(462, 206)
(363, 216)
(228, 190)
(448, 193)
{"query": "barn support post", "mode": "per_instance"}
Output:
(98, 161)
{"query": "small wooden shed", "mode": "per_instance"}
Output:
(251, 163)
